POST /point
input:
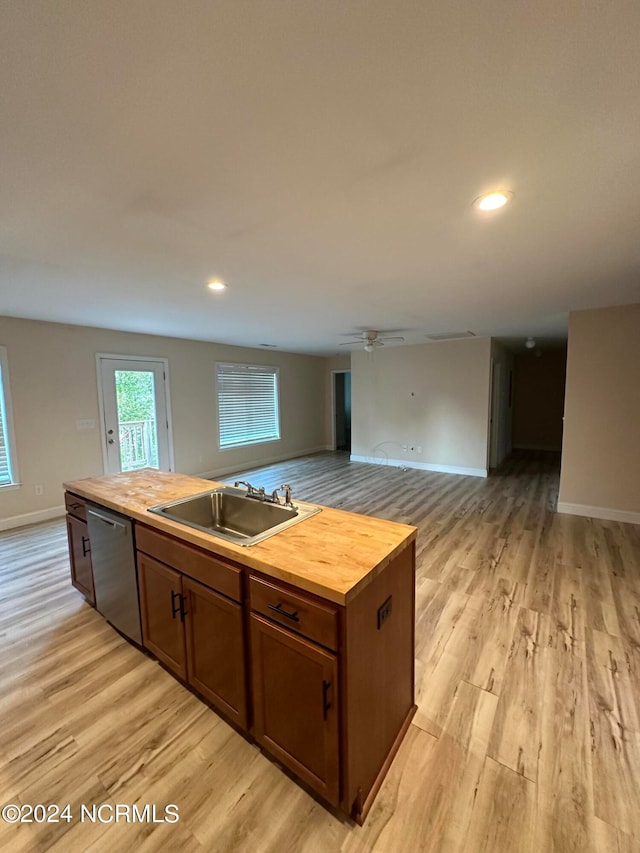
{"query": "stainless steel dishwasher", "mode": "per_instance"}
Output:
(114, 570)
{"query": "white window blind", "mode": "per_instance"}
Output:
(6, 477)
(248, 411)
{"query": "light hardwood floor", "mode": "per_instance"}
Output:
(527, 735)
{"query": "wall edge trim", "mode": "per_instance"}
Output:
(271, 460)
(27, 518)
(422, 466)
(602, 512)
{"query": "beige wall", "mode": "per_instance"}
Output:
(434, 396)
(52, 370)
(601, 446)
(538, 399)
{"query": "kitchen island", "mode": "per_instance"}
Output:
(304, 641)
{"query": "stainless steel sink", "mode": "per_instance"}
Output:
(228, 513)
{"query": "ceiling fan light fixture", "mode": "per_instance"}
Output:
(530, 343)
(369, 347)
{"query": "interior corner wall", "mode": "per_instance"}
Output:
(538, 399)
(52, 369)
(433, 397)
(600, 475)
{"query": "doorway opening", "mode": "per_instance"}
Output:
(341, 400)
(500, 413)
(134, 413)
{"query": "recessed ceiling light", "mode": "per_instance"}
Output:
(494, 200)
(216, 284)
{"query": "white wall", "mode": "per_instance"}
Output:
(52, 369)
(431, 396)
(600, 474)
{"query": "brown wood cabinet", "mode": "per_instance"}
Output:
(323, 684)
(296, 705)
(332, 690)
(162, 613)
(197, 632)
(215, 649)
(79, 547)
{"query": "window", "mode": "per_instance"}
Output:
(8, 472)
(248, 411)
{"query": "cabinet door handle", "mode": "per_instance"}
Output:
(282, 612)
(326, 686)
(183, 612)
(86, 549)
(176, 608)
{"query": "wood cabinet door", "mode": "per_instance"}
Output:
(295, 694)
(162, 614)
(215, 649)
(80, 557)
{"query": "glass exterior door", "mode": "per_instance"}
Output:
(135, 422)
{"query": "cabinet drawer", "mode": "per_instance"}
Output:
(200, 565)
(75, 506)
(318, 622)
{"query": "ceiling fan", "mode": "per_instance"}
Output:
(371, 340)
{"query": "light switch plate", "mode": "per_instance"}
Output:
(84, 424)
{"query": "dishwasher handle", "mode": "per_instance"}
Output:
(105, 520)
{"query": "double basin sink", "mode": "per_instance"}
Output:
(228, 513)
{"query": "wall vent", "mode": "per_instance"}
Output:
(450, 336)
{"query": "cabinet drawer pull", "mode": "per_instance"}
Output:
(281, 612)
(75, 506)
(176, 608)
(86, 549)
(326, 686)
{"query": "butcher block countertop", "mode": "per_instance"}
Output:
(333, 554)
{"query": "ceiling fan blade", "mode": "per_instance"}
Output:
(388, 338)
(352, 343)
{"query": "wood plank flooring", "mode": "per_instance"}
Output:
(527, 735)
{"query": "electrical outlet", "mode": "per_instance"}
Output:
(39, 489)
(384, 611)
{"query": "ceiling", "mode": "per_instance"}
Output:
(321, 158)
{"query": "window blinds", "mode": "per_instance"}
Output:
(5, 463)
(247, 404)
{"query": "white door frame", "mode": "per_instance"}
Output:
(164, 362)
(333, 403)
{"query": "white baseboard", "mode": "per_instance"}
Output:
(31, 517)
(422, 466)
(259, 463)
(602, 512)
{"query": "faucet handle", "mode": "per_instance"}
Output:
(286, 488)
